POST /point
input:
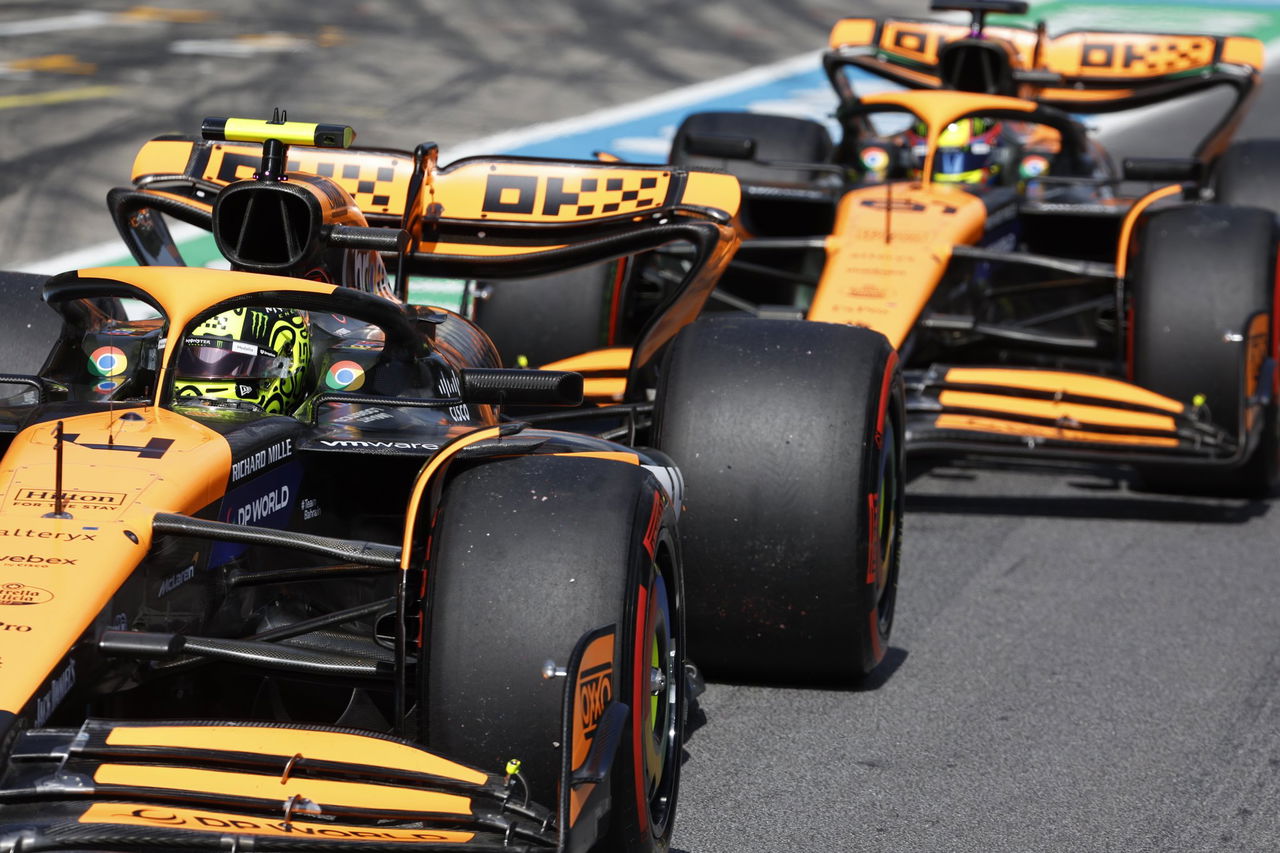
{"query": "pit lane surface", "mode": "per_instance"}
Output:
(1076, 665)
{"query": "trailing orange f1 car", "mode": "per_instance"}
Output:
(281, 494)
(1038, 307)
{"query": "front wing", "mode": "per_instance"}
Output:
(254, 786)
(1062, 414)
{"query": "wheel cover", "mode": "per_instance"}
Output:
(659, 733)
(888, 510)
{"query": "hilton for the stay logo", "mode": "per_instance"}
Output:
(72, 499)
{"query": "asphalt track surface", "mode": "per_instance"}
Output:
(1076, 665)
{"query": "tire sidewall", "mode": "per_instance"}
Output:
(777, 447)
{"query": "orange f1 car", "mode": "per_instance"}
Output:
(791, 502)
(1039, 308)
(280, 573)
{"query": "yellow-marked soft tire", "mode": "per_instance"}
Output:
(1201, 295)
(530, 553)
(789, 435)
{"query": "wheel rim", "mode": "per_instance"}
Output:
(659, 732)
(888, 509)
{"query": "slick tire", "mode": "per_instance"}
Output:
(29, 329)
(1201, 298)
(550, 317)
(779, 138)
(789, 435)
(530, 553)
(1248, 175)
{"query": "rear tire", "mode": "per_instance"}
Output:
(789, 435)
(530, 554)
(550, 317)
(1200, 275)
(753, 275)
(30, 327)
(1248, 175)
(782, 138)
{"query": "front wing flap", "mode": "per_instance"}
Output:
(113, 785)
(1060, 414)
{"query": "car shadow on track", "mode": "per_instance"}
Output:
(894, 658)
(1095, 494)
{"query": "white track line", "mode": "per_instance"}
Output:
(102, 253)
(674, 99)
(60, 23)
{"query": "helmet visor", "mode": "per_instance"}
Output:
(216, 358)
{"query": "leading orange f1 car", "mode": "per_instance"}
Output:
(279, 572)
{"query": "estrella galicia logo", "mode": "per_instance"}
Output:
(16, 594)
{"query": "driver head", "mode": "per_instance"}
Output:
(255, 355)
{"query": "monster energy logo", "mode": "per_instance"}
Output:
(259, 329)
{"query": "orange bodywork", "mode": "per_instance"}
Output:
(1083, 407)
(919, 41)
(1131, 219)
(996, 426)
(596, 387)
(1119, 55)
(475, 189)
(340, 797)
(1079, 54)
(888, 251)
(342, 747)
(1056, 410)
(77, 564)
(1063, 383)
(70, 568)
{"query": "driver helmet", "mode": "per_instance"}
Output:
(968, 151)
(256, 356)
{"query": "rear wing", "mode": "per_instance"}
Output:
(1078, 71)
(479, 217)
